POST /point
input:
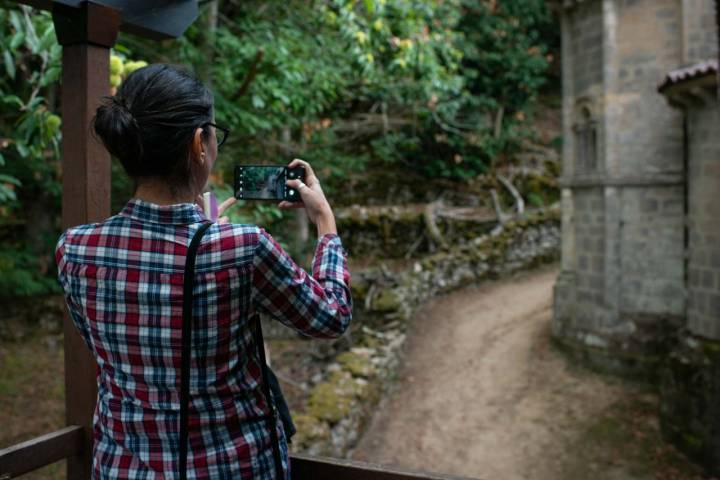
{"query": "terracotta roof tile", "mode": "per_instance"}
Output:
(688, 73)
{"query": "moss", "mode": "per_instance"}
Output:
(327, 403)
(356, 364)
(333, 400)
(369, 341)
(387, 300)
(310, 429)
(360, 288)
(711, 348)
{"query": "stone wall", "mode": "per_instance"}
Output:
(652, 243)
(590, 250)
(586, 46)
(645, 135)
(690, 388)
(620, 293)
(700, 41)
(402, 231)
(704, 221)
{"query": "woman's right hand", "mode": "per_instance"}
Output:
(313, 199)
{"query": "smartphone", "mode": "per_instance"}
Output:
(267, 182)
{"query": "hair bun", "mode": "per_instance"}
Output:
(150, 123)
(119, 131)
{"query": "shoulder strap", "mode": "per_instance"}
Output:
(188, 277)
(260, 345)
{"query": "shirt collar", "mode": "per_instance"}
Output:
(178, 214)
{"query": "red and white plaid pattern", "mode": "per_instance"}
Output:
(123, 283)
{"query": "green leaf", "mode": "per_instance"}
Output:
(9, 64)
(8, 179)
(370, 6)
(22, 149)
(258, 102)
(12, 100)
(16, 21)
(17, 40)
(47, 40)
(51, 76)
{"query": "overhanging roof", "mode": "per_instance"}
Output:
(156, 19)
(686, 74)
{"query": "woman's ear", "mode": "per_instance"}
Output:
(197, 147)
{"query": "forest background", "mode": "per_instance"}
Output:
(392, 101)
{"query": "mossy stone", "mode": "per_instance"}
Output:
(387, 300)
(310, 429)
(369, 341)
(358, 365)
(328, 404)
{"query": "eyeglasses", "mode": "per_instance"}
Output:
(224, 132)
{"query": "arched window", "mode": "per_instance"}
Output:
(585, 142)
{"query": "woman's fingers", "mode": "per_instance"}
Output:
(288, 205)
(296, 184)
(310, 177)
(199, 201)
(226, 204)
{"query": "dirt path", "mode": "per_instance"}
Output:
(482, 394)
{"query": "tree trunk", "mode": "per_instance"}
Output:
(302, 232)
(209, 40)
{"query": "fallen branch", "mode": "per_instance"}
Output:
(465, 214)
(370, 296)
(519, 202)
(414, 246)
(431, 223)
(501, 218)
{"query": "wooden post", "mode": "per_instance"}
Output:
(86, 34)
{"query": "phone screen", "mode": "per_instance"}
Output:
(263, 182)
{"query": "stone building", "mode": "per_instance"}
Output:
(639, 289)
(690, 411)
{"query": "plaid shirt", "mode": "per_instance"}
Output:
(123, 283)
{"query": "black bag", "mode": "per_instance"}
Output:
(275, 391)
(271, 388)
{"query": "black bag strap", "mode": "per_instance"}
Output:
(188, 280)
(260, 344)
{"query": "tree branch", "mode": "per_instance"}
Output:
(250, 75)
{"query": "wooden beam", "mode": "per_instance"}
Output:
(86, 35)
(306, 467)
(40, 451)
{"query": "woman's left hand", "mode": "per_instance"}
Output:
(221, 208)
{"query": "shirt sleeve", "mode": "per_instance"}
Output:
(75, 313)
(319, 305)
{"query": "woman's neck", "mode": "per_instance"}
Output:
(160, 193)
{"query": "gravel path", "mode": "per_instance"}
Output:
(481, 393)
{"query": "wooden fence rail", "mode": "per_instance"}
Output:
(40, 451)
(68, 442)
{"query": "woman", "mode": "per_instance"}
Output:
(123, 283)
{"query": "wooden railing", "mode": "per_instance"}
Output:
(69, 442)
(41, 451)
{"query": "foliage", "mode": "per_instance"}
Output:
(29, 149)
(443, 88)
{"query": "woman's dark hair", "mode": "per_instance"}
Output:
(150, 122)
